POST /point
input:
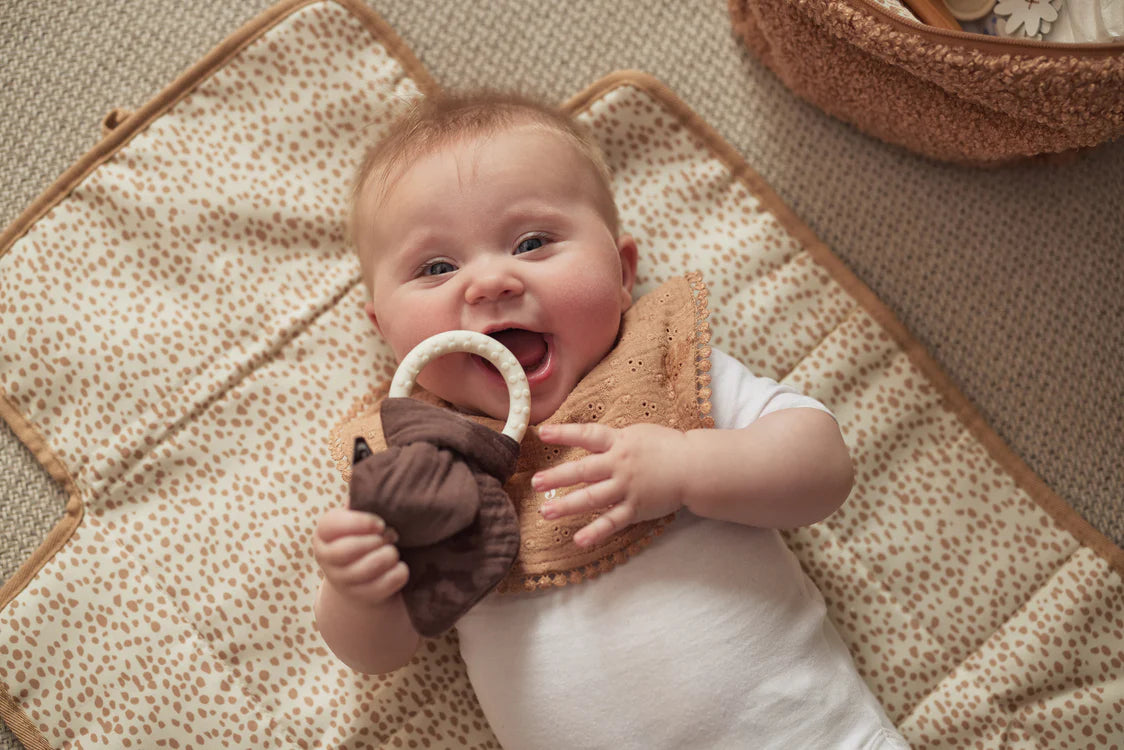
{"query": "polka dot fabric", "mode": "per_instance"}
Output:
(182, 329)
(944, 577)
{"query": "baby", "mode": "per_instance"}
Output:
(495, 214)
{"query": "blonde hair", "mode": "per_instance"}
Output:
(440, 119)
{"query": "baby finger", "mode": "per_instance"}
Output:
(339, 522)
(605, 525)
(593, 497)
(595, 438)
(371, 566)
(345, 550)
(593, 468)
(386, 585)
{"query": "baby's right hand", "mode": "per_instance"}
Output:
(357, 554)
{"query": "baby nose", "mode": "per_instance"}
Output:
(493, 283)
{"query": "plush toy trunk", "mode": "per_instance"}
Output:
(948, 95)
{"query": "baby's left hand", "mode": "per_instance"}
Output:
(637, 473)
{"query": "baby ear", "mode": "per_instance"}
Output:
(626, 247)
(369, 308)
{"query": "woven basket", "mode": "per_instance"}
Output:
(946, 94)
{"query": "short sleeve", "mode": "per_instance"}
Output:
(738, 397)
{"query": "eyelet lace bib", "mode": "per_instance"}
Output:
(658, 372)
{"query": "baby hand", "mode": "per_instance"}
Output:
(632, 474)
(357, 554)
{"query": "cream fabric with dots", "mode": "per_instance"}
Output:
(184, 328)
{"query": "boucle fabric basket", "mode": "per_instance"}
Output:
(944, 94)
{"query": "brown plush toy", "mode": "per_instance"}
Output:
(439, 485)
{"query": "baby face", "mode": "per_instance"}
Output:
(505, 234)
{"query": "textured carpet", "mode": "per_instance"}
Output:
(1010, 277)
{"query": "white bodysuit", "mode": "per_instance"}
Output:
(712, 637)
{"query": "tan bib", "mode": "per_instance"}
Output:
(658, 372)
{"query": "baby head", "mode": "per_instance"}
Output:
(493, 213)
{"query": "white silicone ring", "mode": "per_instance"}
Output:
(519, 393)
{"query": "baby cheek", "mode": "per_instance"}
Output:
(437, 378)
(598, 329)
(589, 301)
(406, 329)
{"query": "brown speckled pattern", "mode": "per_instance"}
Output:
(197, 328)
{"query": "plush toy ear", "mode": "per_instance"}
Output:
(362, 450)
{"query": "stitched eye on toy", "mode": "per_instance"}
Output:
(362, 451)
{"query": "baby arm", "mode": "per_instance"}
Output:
(789, 468)
(359, 607)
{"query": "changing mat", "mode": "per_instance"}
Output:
(182, 325)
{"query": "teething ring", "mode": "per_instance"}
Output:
(519, 393)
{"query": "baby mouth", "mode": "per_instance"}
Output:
(529, 347)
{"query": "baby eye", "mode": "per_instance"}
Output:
(529, 244)
(437, 268)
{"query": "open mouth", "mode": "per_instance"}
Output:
(531, 348)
